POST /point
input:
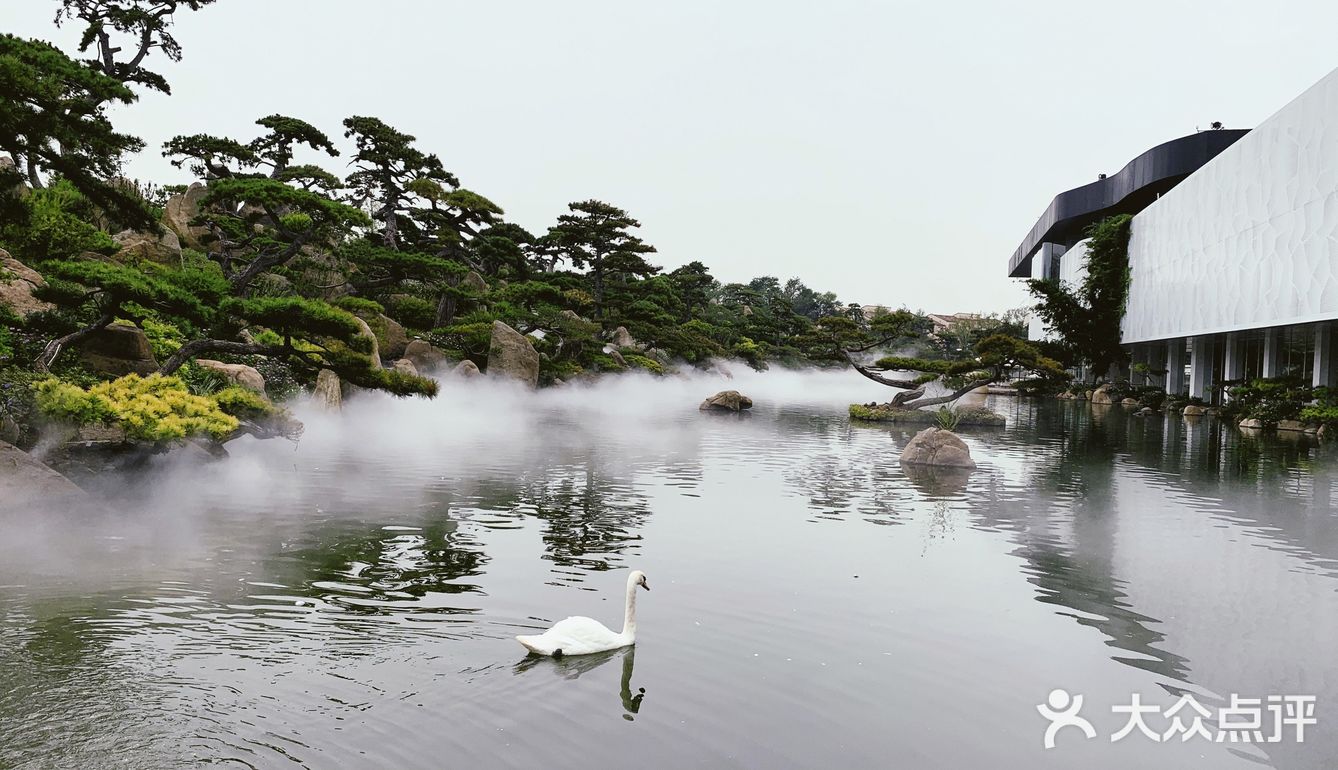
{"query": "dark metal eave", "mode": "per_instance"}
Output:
(1131, 190)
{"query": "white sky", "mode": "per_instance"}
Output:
(892, 152)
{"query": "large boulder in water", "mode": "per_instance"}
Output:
(1102, 395)
(25, 482)
(466, 369)
(17, 283)
(726, 401)
(935, 446)
(238, 374)
(510, 354)
(118, 349)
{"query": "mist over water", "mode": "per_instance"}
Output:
(349, 600)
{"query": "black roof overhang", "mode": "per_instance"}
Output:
(1131, 190)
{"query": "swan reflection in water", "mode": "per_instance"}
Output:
(573, 666)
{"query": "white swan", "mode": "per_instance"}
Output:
(583, 636)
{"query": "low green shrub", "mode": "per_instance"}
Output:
(946, 418)
(359, 305)
(603, 362)
(638, 361)
(1150, 396)
(1325, 416)
(1268, 400)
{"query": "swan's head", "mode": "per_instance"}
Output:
(638, 578)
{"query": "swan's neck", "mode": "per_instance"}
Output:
(629, 613)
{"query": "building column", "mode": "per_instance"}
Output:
(1272, 352)
(1201, 367)
(1324, 370)
(1233, 359)
(1175, 366)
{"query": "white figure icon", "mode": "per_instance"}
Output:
(1062, 711)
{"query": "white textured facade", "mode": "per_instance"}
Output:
(1248, 241)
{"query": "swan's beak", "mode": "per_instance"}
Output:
(645, 585)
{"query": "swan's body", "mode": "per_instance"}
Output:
(584, 636)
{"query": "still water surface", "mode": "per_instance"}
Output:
(350, 601)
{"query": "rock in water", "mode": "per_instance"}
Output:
(466, 368)
(1102, 395)
(239, 374)
(935, 446)
(424, 355)
(119, 349)
(405, 366)
(25, 482)
(727, 401)
(327, 393)
(1194, 410)
(510, 354)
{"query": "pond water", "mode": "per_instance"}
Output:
(350, 601)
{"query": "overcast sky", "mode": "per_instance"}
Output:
(892, 152)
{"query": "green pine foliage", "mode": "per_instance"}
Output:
(287, 263)
(1086, 318)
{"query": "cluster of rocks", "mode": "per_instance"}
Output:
(1105, 395)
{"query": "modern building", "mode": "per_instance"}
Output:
(1233, 252)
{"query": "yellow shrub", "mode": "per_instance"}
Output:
(153, 408)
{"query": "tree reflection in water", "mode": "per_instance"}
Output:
(379, 569)
(591, 516)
